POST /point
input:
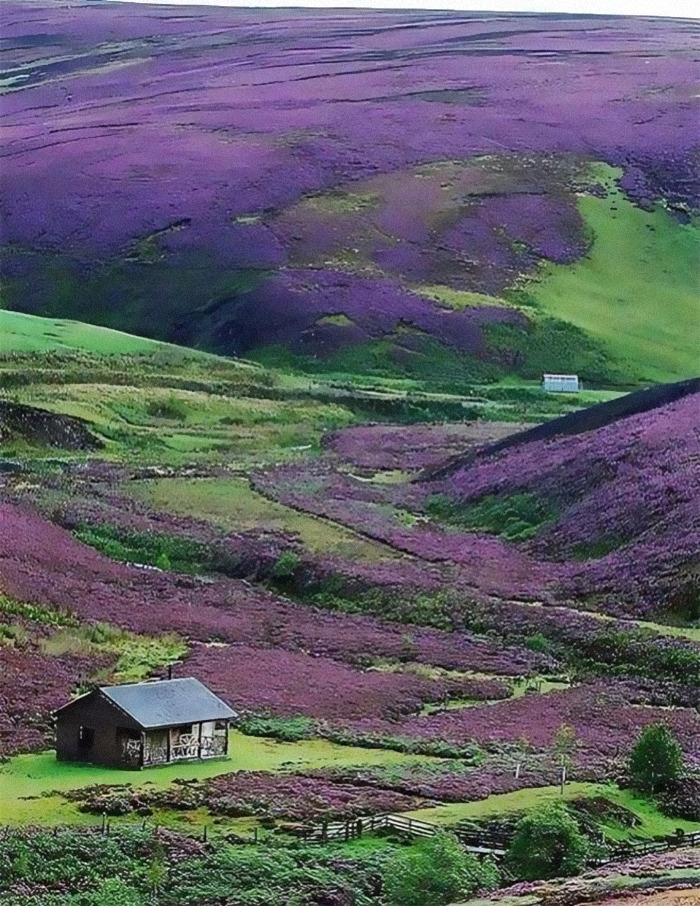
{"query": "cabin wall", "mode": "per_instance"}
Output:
(95, 714)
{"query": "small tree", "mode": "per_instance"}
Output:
(564, 742)
(656, 762)
(434, 873)
(547, 844)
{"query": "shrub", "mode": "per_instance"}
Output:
(538, 642)
(435, 873)
(656, 762)
(114, 892)
(286, 565)
(286, 729)
(547, 844)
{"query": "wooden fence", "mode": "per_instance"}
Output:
(646, 847)
(479, 842)
(482, 842)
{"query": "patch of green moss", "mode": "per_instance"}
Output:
(138, 656)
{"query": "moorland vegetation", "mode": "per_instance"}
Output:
(330, 504)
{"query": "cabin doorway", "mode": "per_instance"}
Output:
(86, 740)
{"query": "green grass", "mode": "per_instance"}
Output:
(515, 517)
(37, 613)
(233, 504)
(502, 804)
(682, 632)
(174, 425)
(137, 655)
(636, 291)
(20, 333)
(651, 822)
(521, 687)
(27, 781)
(460, 299)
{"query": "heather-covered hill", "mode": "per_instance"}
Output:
(441, 196)
(622, 499)
(589, 418)
(606, 519)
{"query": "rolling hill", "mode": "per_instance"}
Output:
(388, 194)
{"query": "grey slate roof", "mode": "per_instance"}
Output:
(168, 702)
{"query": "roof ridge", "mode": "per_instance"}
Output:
(153, 681)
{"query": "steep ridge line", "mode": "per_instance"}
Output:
(579, 422)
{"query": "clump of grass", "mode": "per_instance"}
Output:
(285, 729)
(37, 613)
(148, 548)
(13, 635)
(593, 550)
(138, 656)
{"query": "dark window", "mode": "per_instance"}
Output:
(86, 738)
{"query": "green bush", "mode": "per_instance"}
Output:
(150, 548)
(286, 565)
(434, 873)
(656, 762)
(286, 729)
(114, 892)
(547, 844)
(538, 642)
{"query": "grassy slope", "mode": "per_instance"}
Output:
(20, 333)
(36, 776)
(206, 425)
(651, 821)
(226, 411)
(636, 290)
(231, 503)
